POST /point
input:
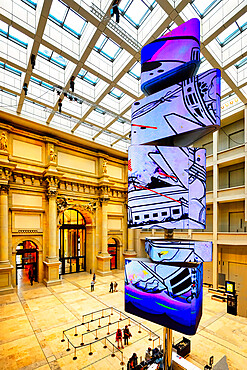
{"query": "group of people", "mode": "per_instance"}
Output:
(152, 356)
(113, 287)
(125, 335)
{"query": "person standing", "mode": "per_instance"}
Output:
(31, 278)
(94, 277)
(115, 286)
(127, 335)
(111, 287)
(92, 285)
(119, 338)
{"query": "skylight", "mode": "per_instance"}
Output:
(136, 11)
(52, 57)
(99, 110)
(10, 69)
(107, 47)
(204, 7)
(232, 31)
(116, 93)
(88, 77)
(241, 63)
(30, 3)
(135, 71)
(13, 35)
(67, 18)
(41, 83)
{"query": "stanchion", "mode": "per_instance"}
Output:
(63, 340)
(83, 319)
(88, 327)
(120, 318)
(75, 335)
(92, 316)
(129, 323)
(102, 313)
(96, 335)
(122, 362)
(109, 323)
(113, 354)
(150, 338)
(105, 346)
(118, 324)
(75, 358)
(139, 331)
(111, 310)
(90, 350)
(99, 326)
(167, 343)
(68, 349)
(82, 343)
(108, 329)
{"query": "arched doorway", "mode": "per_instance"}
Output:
(26, 261)
(112, 250)
(72, 250)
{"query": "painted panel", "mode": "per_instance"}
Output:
(26, 150)
(170, 296)
(167, 187)
(114, 224)
(33, 201)
(114, 171)
(24, 221)
(75, 162)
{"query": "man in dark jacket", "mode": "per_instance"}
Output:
(111, 287)
(115, 10)
(127, 335)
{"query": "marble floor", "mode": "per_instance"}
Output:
(33, 319)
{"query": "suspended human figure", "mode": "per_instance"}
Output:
(115, 10)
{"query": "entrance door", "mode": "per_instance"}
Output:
(26, 259)
(73, 242)
(238, 274)
(112, 250)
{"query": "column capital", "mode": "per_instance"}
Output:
(51, 193)
(4, 188)
(104, 200)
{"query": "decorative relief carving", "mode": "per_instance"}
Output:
(4, 189)
(52, 154)
(3, 141)
(104, 166)
(5, 173)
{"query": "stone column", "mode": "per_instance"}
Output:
(52, 262)
(5, 266)
(104, 257)
(215, 210)
(130, 252)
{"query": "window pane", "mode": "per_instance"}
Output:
(58, 10)
(111, 49)
(136, 11)
(135, 71)
(100, 41)
(4, 27)
(203, 5)
(74, 22)
(44, 50)
(228, 32)
(242, 20)
(59, 59)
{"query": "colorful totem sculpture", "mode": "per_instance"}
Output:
(167, 179)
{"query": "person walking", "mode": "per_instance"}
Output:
(115, 10)
(94, 277)
(115, 286)
(92, 285)
(111, 287)
(119, 338)
(127, 335)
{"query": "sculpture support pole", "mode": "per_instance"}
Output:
(167, 347)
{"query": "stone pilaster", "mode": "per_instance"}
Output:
(103, 258)
(5, 266)
(52, 263)
(130, 252)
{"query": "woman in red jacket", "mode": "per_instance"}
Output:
(119, 338)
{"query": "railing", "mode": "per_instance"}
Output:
(105, 313)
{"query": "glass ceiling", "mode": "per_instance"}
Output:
(74, 40)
